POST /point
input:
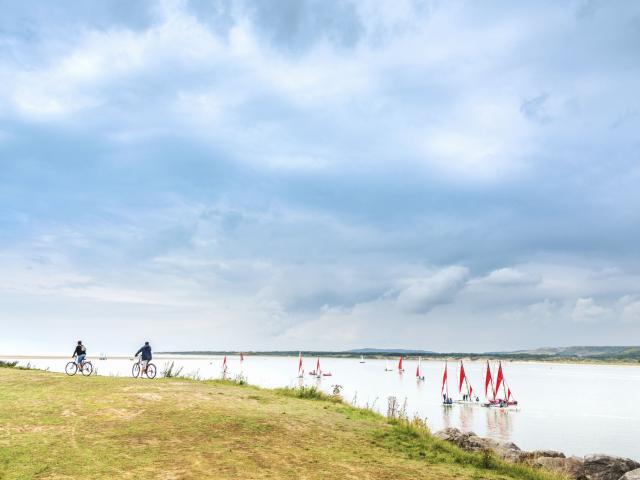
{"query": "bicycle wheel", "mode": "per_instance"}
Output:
(135, 371)
(151, 370)
(87, 369)
(71, 369)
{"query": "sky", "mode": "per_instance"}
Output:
(319, 174)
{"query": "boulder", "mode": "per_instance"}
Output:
(546, 453)
(632, 475)
(572, 467)
(470, 442)
(606, 467)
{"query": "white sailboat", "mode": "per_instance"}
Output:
(386, 366)
(361, 358)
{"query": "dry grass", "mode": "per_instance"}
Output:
(58, 427)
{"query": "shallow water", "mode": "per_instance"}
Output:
(577, 409)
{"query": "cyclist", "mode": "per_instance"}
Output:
(79, 353)
(145, 356)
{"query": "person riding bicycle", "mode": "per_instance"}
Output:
(145, 356)
(79, 353)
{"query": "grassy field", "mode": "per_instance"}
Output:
(58, 427)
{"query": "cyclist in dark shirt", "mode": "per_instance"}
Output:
(145, 356)
(79, 353)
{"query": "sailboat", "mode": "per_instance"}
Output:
(318, 371)
(463, 380)
(300, 366)
(444, 391)
(507, 400)
(224, 365)
(387, 368)
(361, 358)
(400, 369)
(419, 376)
(241, 357)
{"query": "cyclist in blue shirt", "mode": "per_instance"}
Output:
(145, 356)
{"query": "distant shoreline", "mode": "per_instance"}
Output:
(371, 356)
(426, 356)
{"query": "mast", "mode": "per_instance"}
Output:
(489, 379)
(445, 381)
(300, 366)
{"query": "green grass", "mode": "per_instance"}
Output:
(58, 427)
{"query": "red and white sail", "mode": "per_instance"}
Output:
(418, 376)
(300, 366)
(318, 369)
(488, 380)
(499, 379)
(464, 380)
(224, 364)
(444, 380)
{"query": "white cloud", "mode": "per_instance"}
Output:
(587, 311)
(630, 308)
(425, 293)
(507, 276)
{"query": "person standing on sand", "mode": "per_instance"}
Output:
(145, 357)
(79, 353)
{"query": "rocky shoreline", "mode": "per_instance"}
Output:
(589, 467)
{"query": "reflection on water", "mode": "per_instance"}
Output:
(465, 418)
(446, 416)
(499, 424)
(588, 423)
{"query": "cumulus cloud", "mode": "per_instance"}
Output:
(424, 294)
(507, 276)
(587, 311)
(630, 308)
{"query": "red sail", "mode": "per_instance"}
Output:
(318, 366)
(487, 380)
(418, 371)
(241, 357)
(300, 362)
(499, 379)
(461, 377)
(470, 390)
(508, 394)
(224, 362)
(444, 378)
(400, 363)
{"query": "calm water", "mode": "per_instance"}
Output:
(577, 409)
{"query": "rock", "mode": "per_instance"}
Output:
(572, 467)
(632, 475)
(605, 467)
(470, 442)
(546, 453)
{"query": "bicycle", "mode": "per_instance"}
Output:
(86, 368)
(150, 371)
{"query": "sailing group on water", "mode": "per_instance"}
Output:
(497, 394)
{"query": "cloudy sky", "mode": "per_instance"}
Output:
(330, 174)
